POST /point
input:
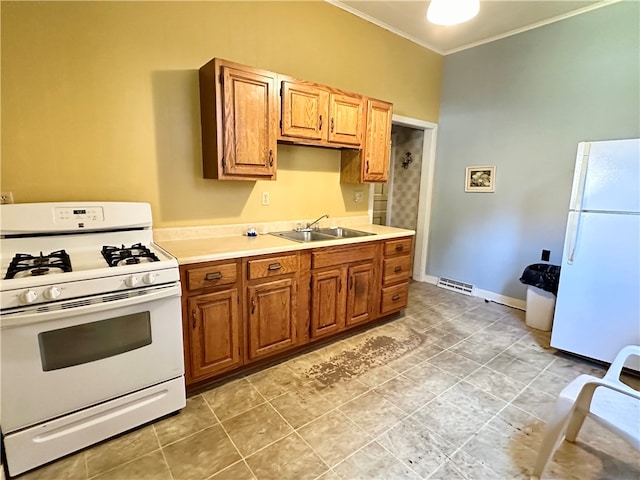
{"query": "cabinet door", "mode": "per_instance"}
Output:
(271, 313)
(377, 145)
(250, 123)
(361, 293)
(304, 111)
(345, 122)
(214, 332)
(328, 296)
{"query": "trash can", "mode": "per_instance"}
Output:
(542, 286)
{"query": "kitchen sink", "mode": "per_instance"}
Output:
(340, 232)
(321, 234)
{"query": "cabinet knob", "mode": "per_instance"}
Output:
(320, 123)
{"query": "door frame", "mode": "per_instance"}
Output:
(426, 192)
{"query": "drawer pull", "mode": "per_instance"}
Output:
(397, 269)
(275, 266)
(399, 247)
(395, 298)
(213, 276)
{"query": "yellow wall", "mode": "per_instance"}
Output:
(100, 101)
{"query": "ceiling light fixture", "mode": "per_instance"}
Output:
(452, 12)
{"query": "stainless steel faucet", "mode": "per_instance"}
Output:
(311, 224)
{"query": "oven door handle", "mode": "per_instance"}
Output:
(34, 314)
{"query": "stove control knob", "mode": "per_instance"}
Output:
(131, 281)
(29, 296)
(149, 278)
(52, 293)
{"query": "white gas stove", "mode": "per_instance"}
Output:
(87, 299)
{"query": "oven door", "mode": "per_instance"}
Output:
(62, 357)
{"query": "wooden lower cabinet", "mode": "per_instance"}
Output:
(215, 333)
(271, 304)
(328, 299)
(343, 287)
(236, 312)
(271, 310)
(211, 319)
(396, 271)
(360, 298)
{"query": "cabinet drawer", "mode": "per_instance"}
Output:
(397, 247)
(341, 256)
(394, 298)
(271, 267)
(396, 269)
(211, 276)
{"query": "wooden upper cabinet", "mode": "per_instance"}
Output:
(304, 111)
(371, 164)
(318, 115)
(377, 147)
(345, 122)
(239, 116)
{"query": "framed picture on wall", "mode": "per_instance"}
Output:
(480, 179)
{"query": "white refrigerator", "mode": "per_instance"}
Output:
(598, 302)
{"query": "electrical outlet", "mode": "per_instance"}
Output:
(265, 198)
(357, 196)
(546, 255)
(6, 197)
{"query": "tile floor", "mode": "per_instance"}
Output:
(455, 388)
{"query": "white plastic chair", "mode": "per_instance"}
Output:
(606, 400)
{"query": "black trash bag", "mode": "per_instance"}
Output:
(543, 276)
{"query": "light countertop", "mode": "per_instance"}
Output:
(224, 247)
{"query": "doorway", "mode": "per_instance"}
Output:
(405, 200)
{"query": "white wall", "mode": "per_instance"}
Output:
(522, 104)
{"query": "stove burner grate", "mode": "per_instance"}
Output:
(116, 256)
(38, 265)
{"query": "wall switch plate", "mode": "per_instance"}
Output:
(265, 198)
(546, 255)
(6, 197)
(357, 196)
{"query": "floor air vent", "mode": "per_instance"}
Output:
(455, 285)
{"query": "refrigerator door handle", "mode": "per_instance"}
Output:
(580, 179)
(572, 236)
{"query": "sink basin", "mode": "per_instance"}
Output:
(311, 236)
(340, 232)
(322, 234)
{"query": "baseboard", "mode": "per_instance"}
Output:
(487, 295)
